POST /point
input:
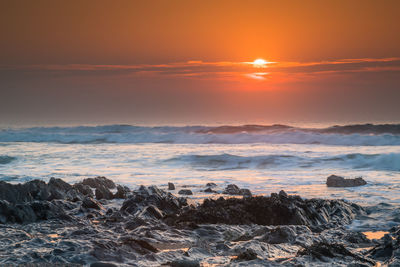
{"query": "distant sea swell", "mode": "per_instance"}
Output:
(349, 135)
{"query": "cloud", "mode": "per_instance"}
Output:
(218, 70)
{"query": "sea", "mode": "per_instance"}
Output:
(262, 158)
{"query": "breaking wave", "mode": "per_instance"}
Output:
(387, 162)
(357, 135)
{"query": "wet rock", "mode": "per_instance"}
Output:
(103, 264)
(171, 186)
(282, 194)
(322, 250)
(141, 246)
(274, 210)
(122, 192)
(245, 192)
(90, 203)
(29, 212)
(246, 255)
(83, 189)
(338, 181)
(282, 234)
(211, 185)
(146, 196)
(209, 190)
(356, 238)
(103, 192)
(185, 192)
(184, 263)
(99, 182)
(232, 189)
(20, 193)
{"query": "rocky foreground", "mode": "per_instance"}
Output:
(98, 223)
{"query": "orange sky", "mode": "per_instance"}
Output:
(185, 61)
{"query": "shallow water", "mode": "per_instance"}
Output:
(264, 159)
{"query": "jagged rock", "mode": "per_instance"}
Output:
(281, 234)
(83, 189)
(246, 255)
(146, 196)
(171, 186)
(90, 203)
(185, 192)
(274, 210)
(99, 182)
(184, 263)
(245, 192)
(29, 212)
(232, 189)
(102, 264)
(209, 190)
(122, 192)
(321, 250)
(102, 192)
(338, 181)
(211, 185)
(282, 194)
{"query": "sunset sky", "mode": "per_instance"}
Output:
(192, 62)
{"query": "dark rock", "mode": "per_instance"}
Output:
(83, 189)
(29, 212)
(152, 196)
(171, 186)
(184, 263)
(150, 212)
(245, 192)
(282, 234)
(185, 192)
(338, 181)
(103, 192)
(356, 238)
(99, 182)
(20, 193)
(90, 203)
(211, 185)
(232, 189)
(59, 184)
(103, 264)
(282, 194)
(135, 223)
(122, 192)
(209, 190)
(140, 246)
(247, 255)
(291, 210)
(322, 250)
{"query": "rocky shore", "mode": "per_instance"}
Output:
(98, 223)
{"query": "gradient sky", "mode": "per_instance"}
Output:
(190, 62)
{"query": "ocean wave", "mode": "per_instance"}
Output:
(350, 135)
(6, 159)
(388, 162)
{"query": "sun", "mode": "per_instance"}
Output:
(259, 63)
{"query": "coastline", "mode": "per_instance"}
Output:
(97, 221)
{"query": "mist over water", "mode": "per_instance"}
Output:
(264, 159)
